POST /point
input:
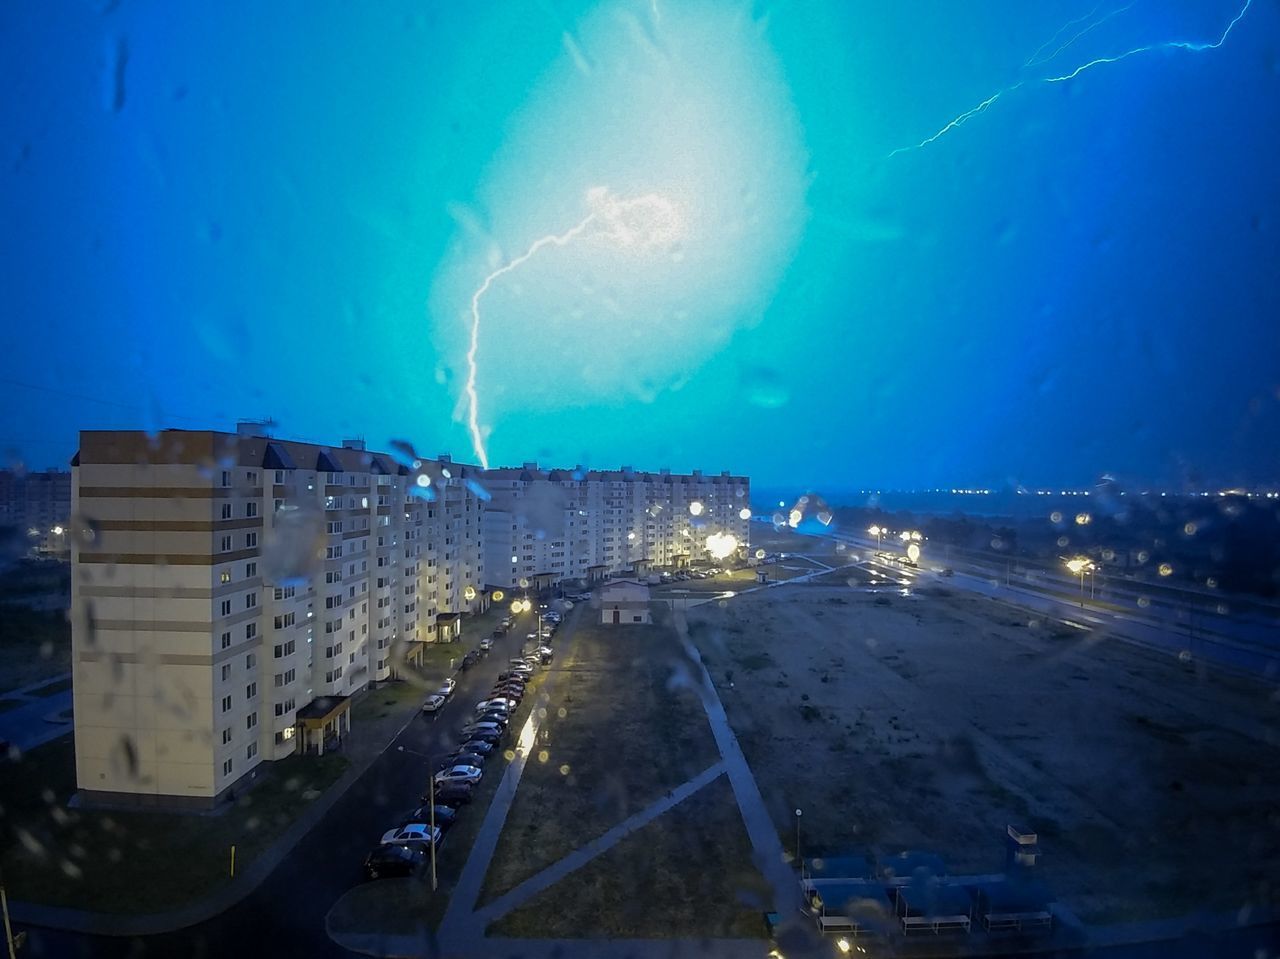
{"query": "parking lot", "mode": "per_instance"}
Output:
(465, 750)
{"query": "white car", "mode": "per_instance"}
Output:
(486, 644)
(498, 702)
(447, 687)
(416, 833)
(459, 774)
(433, 703)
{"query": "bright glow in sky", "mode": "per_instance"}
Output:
(635, 107)
(282, 210)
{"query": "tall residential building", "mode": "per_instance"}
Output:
(231, 591)
(569, 523)
(35, 501)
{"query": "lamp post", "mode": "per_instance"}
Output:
(1079, 565)
(798, 858)
(877, 532)
(431, 769)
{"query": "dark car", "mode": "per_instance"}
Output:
(453, 794)
(444, 816)
(491, 736)
(392, 859)
(478, 746)
(463, 758)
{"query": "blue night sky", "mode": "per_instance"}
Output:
(238, 210)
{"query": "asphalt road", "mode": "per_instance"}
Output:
(285, 914)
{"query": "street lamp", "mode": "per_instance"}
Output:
(877, 532)
(1079, 566)
(798, 859)
(431, 773)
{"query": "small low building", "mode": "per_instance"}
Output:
(624, 602)
(597, 574)
(323, 722)
(448, 627)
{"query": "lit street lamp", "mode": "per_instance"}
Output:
(432, 776)
(1079, 566)
(877, 532)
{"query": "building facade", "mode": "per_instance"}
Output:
(582, 524)
(35, 503)
(223, 582)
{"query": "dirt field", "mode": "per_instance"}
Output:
(623, 730)
(648, 887)
(933, 721)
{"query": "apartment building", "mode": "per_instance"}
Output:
(567, 523)
(35, 501)
(232, 591)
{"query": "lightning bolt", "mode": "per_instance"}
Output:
(648, 220)
(1093, 26)
(1034, 58)
(473, 424)
(1193, 46)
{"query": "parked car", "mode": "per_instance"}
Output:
(459, 774)
(482, 729)
(462, 758)
(486, 644)
(414, 834)
(449, 794)
(445, 816)
(471, 658)
(508, 691)
(479, 746)
(433, 703)
(498, 701)
(492, 737)
(393, 859)
(447, 687)
(547, 654)
(499, 717)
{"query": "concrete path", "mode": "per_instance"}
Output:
(794, 935)
(584, 854)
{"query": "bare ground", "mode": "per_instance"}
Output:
(933, 721)
(623, 730)
(686, 874)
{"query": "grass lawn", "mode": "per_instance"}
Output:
(623, 730)
(687, 874)
(405, 906)
(386, 699)
(34, 645)
(136, 862)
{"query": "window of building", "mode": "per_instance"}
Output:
(250, 570)
(225, 544)
(226, 704)
(251, 720)
(250, 691)
(284, 649)
(250, 600)
(250, 540)
(224, 577)
(250, 661)
(226, 640)
(226, 736)
(226, 671)
(251, 510)
(226, 607)
(226, 767)
(250, 630)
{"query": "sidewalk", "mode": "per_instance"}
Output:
(365, 743)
